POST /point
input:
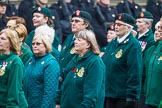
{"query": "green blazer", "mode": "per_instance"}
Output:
(83, 84)
(11, 78)
(67, 52)
(123, 68)
(153, 82)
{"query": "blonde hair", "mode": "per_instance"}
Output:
(46, 41)
(89, 36)
(13, 38)
(21, 30)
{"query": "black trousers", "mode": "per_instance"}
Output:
(117, 103)
(141, 102)
(150, 106)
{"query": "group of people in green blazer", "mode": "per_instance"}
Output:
(127, 73)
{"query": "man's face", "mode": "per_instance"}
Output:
(120, 28)
(142, 26)
(2, 9)
(78, 24)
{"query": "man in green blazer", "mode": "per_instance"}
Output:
(123, 61)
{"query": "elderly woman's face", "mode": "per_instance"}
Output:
(39, 19)
(38, 46)
(120, 28)
(4, 44)
(81, 46)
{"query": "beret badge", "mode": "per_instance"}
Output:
(119, 16)
(142, 14)
(78, 12)
(112, 27)
(39, 9)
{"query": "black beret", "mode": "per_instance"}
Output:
(42, 10)
(82, 14)
(144, 14)
(126, 18)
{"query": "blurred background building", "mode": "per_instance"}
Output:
(113, 2)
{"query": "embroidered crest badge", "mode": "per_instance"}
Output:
(3, 68)
(159, 59)
(81, 72)
(72, 51)
(119, 53)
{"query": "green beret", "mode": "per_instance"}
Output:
(3, 1)
(144, 14)
(42, 10)
(82, 14)
(126, 18)
(110, 26)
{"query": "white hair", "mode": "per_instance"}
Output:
(157, 25)
(45, 30)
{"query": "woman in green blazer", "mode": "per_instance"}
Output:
(83, 78)
(11, 71)
(153, 66)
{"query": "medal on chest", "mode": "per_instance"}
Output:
(3, 68)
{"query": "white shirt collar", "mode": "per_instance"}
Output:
(140, 35)
(120, 40)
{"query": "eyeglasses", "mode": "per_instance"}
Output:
(36, 43)
(119, 24)
(76, 21)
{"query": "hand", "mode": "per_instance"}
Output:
(131, 103)
(101, 54)
(57, 106)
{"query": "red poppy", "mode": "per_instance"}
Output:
(74, 69)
